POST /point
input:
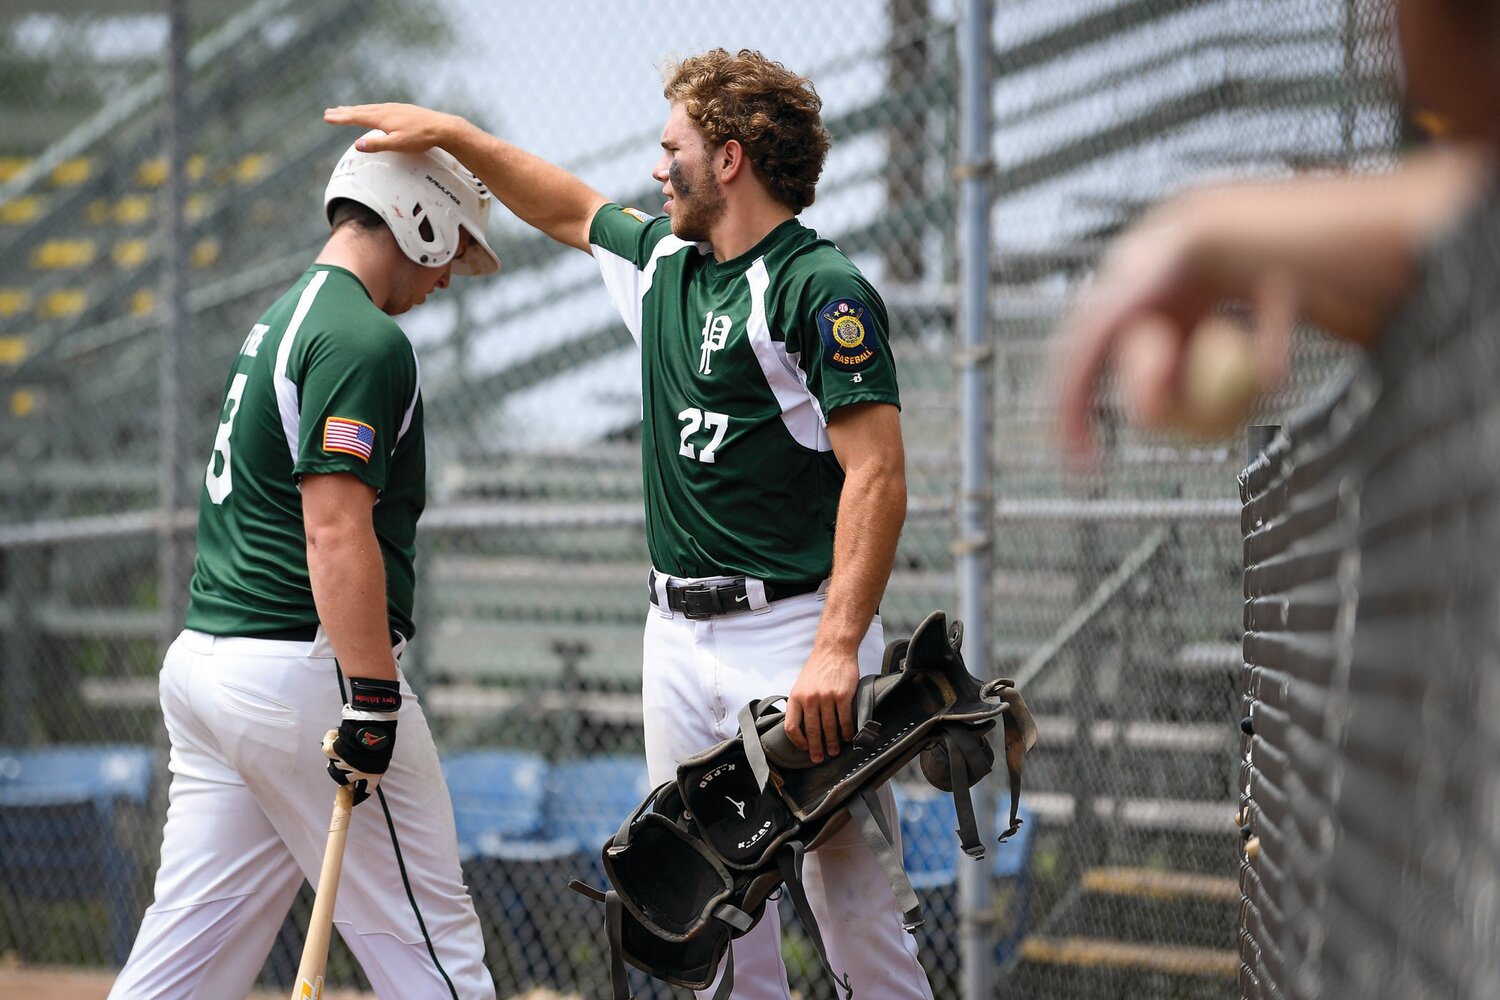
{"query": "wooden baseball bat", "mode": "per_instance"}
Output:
(309, 982)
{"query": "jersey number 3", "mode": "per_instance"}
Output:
(218, 483)
(692, 419)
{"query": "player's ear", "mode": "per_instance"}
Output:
(730, 159)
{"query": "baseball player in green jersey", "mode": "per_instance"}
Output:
(301, 604)
(771, 445)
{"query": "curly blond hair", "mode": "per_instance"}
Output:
(774, 113)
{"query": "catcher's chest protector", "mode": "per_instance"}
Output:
(693, 866)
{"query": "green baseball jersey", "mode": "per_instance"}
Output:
(742, 361)
(324, 383)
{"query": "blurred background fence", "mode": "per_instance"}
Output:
(1371, 647)
(1115, 594)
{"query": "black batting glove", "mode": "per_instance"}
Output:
(359, 750)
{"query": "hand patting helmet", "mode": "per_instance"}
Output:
(425, 199)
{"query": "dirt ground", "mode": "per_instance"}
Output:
(66, 984)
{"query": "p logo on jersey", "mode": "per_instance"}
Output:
(349, 437)
(847, 343)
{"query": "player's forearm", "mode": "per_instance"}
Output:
(1349, 245)
(348, 584)
(872, 509)
(539, 193)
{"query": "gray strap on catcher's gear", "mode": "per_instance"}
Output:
(789, 861)
(614, 931)
(621, 838)
(869, 815)
(1020, 736)
(965, 756)
(754, 752)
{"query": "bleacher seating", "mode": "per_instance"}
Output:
(511, 861)
(60, 838)
(587, 799)
(497, 798)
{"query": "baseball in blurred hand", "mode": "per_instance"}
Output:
(1206, 391)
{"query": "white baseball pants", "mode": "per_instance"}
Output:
(697, 676)
(248, 820)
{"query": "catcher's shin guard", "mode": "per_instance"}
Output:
(692, 868)
(923, 701)
(674, 906)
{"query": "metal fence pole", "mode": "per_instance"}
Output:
(22, 565)
(973, 549)
(171, 558)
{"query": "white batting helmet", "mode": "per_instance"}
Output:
(425, 198)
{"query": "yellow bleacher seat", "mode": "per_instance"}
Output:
(196, 207)
(12, 350)
(153, 172)
(10, 166)
(13, 301)
(205, 253)
(20, 210)
(130, 253)
(252, 167)
(133, 208)
(55, 255)
(22, 402)
(142, 302)
(70, 173)
(63, 302)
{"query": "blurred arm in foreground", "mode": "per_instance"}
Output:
(1337, 251)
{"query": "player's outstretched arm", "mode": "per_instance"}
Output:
(537, 192)
(1338, 252)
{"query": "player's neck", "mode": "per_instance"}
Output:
(744, 225)
(364, 256)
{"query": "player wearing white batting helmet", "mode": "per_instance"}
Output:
(301, 605)
(426, 199)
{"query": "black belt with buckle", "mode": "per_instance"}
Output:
(706, 600)
(300, 633)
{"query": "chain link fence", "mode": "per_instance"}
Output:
(1370, 649)
(1114, 595)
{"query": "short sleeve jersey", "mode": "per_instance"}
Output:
(324, 383)
(742, 361)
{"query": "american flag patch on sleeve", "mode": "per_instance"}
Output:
(349, 436)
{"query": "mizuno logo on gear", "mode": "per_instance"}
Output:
(739, 806)
(370, 738)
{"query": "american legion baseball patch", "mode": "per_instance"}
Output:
(847, 343)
